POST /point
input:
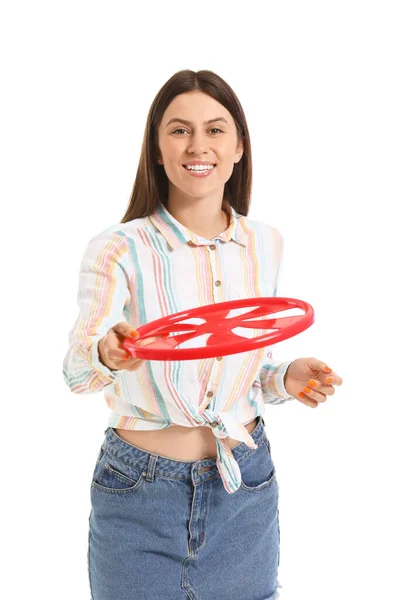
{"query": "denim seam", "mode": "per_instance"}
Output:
(217, 476)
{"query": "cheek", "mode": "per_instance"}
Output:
(171, 151)
(175, 172)
(225, 169)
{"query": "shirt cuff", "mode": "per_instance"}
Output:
(109, 374)
(279, 380)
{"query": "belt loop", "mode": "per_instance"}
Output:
(151, 467)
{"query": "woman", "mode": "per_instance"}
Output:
(184, 493)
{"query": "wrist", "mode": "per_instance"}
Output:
(285, 378)
(101, 351)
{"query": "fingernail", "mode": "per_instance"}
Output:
(328, 381)
(328, 369)
(134, 333)
(306, 390)
(312, 383)
(301, 394)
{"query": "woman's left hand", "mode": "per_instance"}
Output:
(313, 379)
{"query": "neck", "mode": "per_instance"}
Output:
(207, 222)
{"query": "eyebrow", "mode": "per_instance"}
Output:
(189, 122)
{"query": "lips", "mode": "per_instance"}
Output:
(210, 165)
(201, 164)
(202, 172)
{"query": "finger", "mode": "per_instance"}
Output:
(304, 399)
(134, 362)
(317, 387)
(147, 341)
(334, 379)
(144, 342)
(118, 356)
(318, 365)
(313, 395)
(125, 329)
(330, 381)
(328, 374)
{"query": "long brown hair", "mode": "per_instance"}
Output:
(151, 183)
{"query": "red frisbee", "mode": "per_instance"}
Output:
(222, 341)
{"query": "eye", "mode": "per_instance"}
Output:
(212, 129)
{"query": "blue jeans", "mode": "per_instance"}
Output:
(163, 529)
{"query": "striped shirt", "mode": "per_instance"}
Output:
(152, 267)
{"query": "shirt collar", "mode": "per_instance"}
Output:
(177, 234)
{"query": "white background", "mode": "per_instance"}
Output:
(321, 86)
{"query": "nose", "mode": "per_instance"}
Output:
(197, 143)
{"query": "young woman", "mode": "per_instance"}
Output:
(184, 492)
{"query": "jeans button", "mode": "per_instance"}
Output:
(202, 470)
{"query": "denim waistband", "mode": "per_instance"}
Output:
(141, 459)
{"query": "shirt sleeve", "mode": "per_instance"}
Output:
(272, 374)
(103, 297)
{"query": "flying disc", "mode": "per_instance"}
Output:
(221, 340)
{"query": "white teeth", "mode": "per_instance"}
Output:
(199, 167)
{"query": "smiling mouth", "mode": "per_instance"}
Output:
(200, 168)
(200, 165)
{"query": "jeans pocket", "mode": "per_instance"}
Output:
(258, 470)
(114, 476)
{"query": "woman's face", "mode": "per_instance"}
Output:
(196, 128)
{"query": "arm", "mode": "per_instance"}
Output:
(103, 298)
(272, 375)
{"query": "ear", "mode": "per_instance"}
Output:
(239, 151)
(157, 154)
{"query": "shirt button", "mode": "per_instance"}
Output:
(212, 247)
(209, 394)
(218, 283)
(214, 424)
(219, 358)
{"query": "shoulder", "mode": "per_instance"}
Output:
(123, 230)
(270, 233)
(115, 238)
(112, 242)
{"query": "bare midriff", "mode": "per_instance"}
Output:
(179, 443)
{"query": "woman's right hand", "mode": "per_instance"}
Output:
(111, 351)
